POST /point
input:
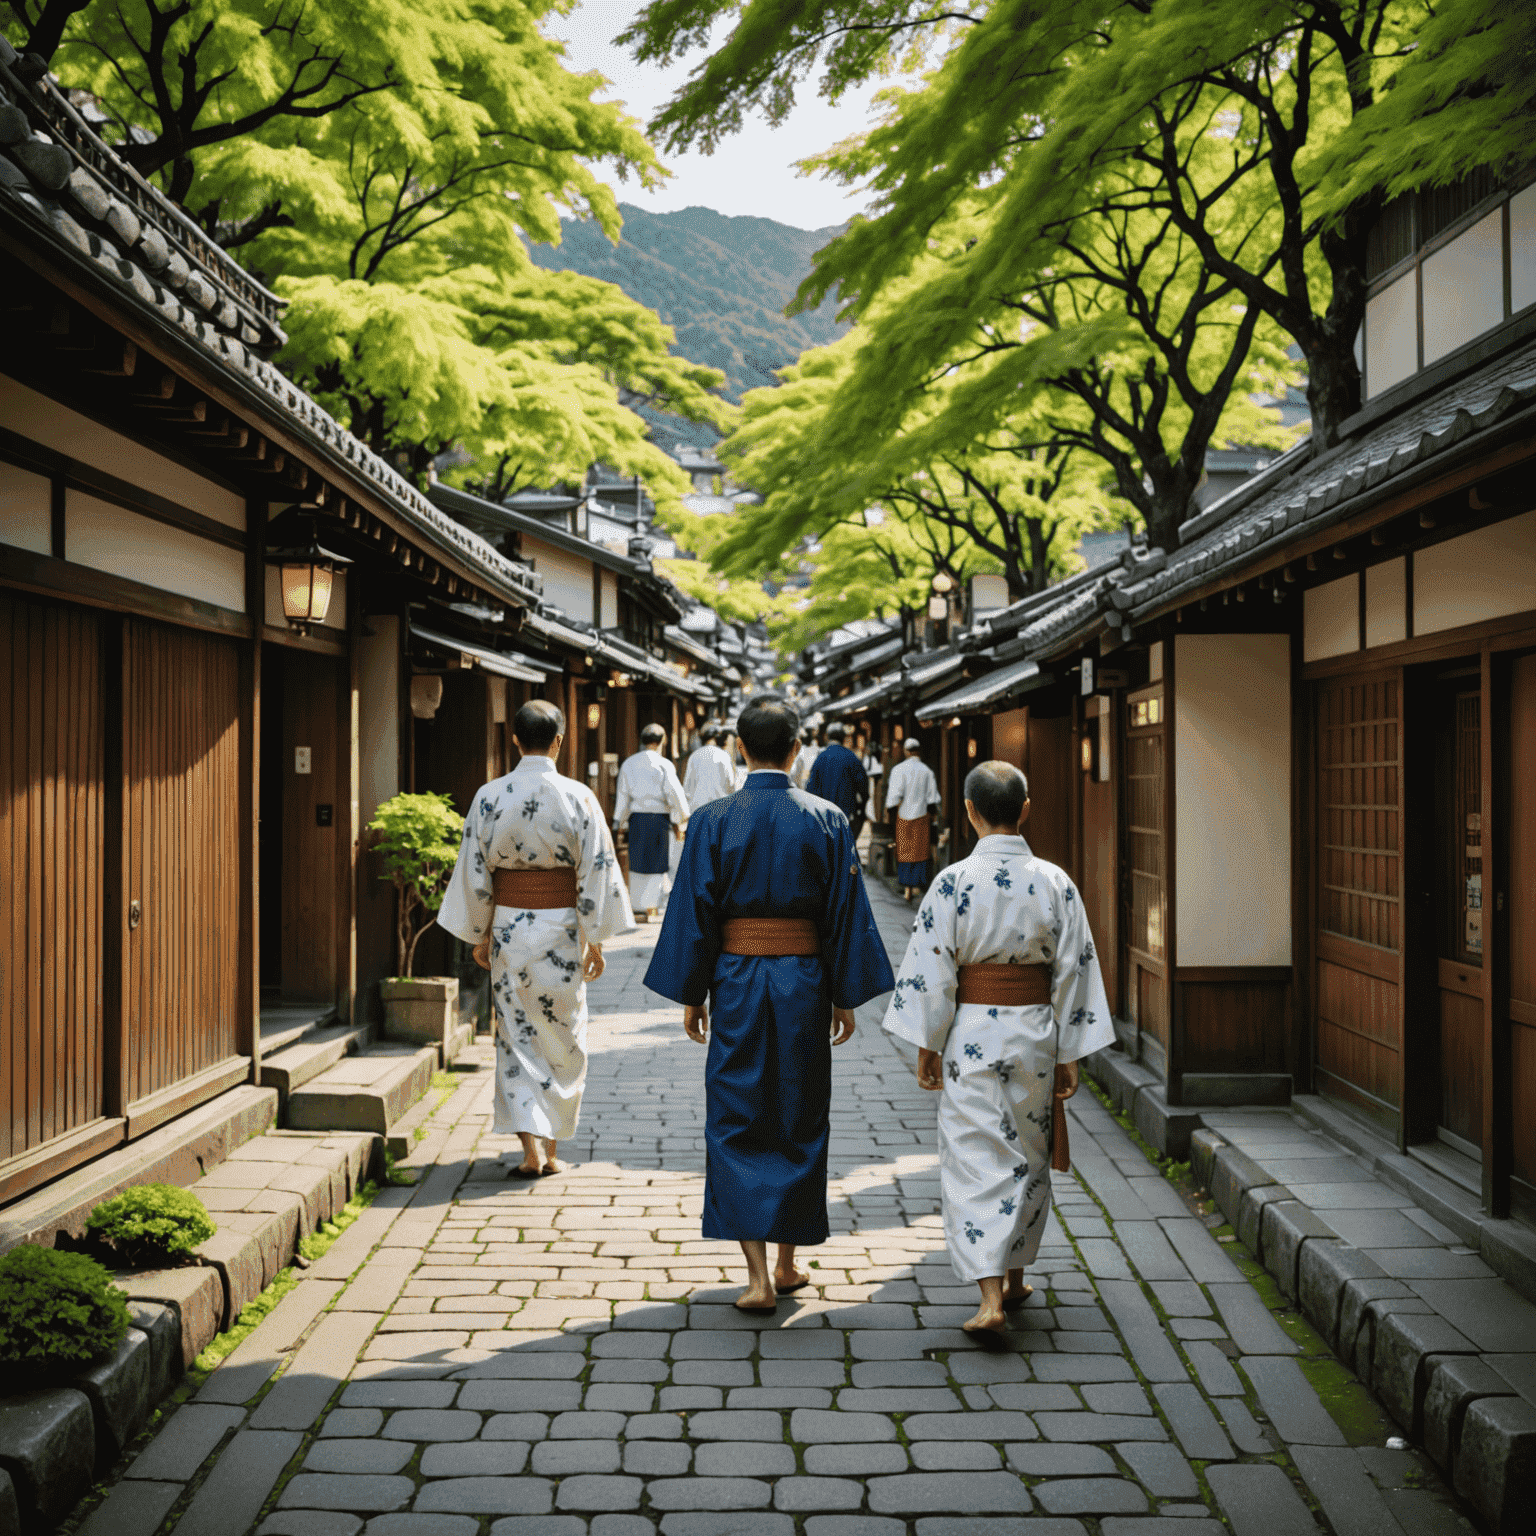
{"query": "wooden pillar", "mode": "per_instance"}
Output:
(348, 792)
(1174, 992)
(1498, 1065)
(248, 992)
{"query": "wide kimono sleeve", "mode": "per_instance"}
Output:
(683, 964)
(691, 777)
(1083, 1021)
(602, 904)
(622, 795)
(852, 949)
(469, 904)
(923, 1007)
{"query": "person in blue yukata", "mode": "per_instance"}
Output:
(837, 775)
(769, 943)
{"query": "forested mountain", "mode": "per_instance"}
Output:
(720, 282)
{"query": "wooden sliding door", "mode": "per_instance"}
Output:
(1359, 892)
(1520, 1085)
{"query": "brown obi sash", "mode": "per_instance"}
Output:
(769, 936)
(534, 890)
(1005, 986)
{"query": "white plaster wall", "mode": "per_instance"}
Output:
(1232, 761)
(108, 538)
(1481, 575)
(567, 577)
(26, 510)
(24, 411)
(378, 713)
(609, 618)
(1386, 602)
(1331, 619)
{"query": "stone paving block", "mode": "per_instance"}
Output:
(854, 1460)
(1246, 1431)
(955, 1456)
(684, 1524)
(1160, 1469)
(736, 1425)
(1289, 1400)
(657, 1458)
(779, 1397)
(486, 1496)
(599, 1493)
(1249, 1221)
(708, 1493)
(131, 1509)
(689, 1399)
(561, 1458)
(1155, 1357)
(1151, 1254)
(1087, 1427)
(1324, 1269)
(994, 1425)
(399, 1394)
(1214, 1369)
(234, 1491)
(921, 1493)
(314, 1373)
(654, 1426)
(521, 1396)
(310, 1522)
(802, 1493)
(1077, 1369)
(474, 1458)
(564, 1525)
(586, 1426)
(1259, 1501)
(897, 1400)
(715, 1344)
(895, 1373)
(516, 1426)
(1181, 1298)
(1496, 1460)
(334, 1490)
(48, 1446)
(854, 1525)
(1109, 1397)
(961, 1525)
(358, 1456)
(1091, 1496)
(409, 1524)
(743, 1459)
(1155, 1525)
(184, 1441)
(1193, 1423)
(1249, 1321)
(1341, 1484)
(1403, 1346)
(1060, 1461)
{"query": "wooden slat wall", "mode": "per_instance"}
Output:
(182, 812)
(1359, 864)
(1522, 920)
(1146, 841)
(52, 802)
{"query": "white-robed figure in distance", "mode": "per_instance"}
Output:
(651, 806)
(711, 773)
(542, 839)
(911, 797)
(1020, 921)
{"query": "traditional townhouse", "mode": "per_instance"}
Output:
(217, 610)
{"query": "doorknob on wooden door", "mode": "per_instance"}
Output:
(135, 914)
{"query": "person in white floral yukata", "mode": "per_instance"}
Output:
(1000, 991)
(537, 890)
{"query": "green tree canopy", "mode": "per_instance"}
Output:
(380, 165)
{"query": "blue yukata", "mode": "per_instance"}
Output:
(768, 851)
(838, 775)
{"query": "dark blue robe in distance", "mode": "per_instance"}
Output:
(838, 775)
(768, 851)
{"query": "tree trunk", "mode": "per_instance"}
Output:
(1333, 375)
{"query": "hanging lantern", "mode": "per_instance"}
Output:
(306, 579)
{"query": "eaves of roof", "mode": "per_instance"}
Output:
(67, 196)
(497, 515)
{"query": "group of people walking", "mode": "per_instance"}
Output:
(769, 944)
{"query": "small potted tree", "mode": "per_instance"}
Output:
(418, 839)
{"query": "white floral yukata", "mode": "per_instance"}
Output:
(1001, 905)
(535, 818)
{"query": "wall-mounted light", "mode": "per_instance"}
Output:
(307, 577)
(594, 716)
(970, 747)
(1085, 753)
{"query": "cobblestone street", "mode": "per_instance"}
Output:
(561, 1358)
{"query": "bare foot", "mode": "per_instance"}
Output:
(554, 1165)
(757, 1298)
(787, 1280)
(988, 1319)
(1016, 1294)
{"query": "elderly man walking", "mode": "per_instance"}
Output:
(649, 803)
(1000, 991)
(911, 794)
(769, 943)
(536, 890)
(711, 774)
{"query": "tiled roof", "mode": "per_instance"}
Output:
(61, 184)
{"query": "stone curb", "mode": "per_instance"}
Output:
(1427, 1374)
(53, 1441)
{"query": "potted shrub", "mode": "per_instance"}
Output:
(59, 1313)
(152, 1226)
(418, 838)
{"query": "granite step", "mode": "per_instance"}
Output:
(368, 1092)
(309, 1056)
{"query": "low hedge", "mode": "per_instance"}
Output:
(57, 1311)
(152, 1224)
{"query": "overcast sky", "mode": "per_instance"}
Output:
(752, 172)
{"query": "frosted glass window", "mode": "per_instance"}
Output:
(26, 510)
(1522, 249)
(1464, 287)
(1386, 603)
(1330, 623)
(1391, 337)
